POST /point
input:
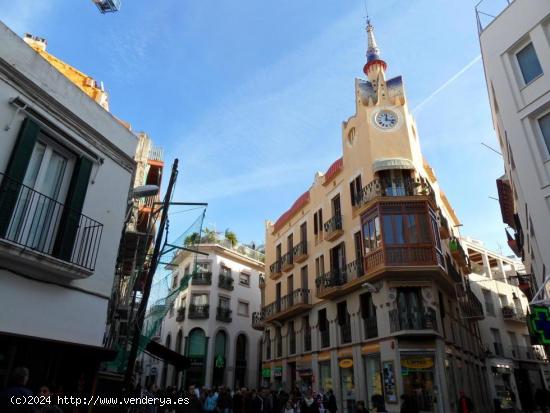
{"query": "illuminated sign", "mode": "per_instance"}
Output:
(416, 363)
(539, 321)
(346, 363)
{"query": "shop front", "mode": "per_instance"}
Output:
(278, 377)
(503, 393)
(347, 384)
(373, 372)
(304, 375)
(325, 376)
(417, 372)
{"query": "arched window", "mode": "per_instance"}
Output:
(195, 346)
(241, 350)
(197, 343)
(220, 343)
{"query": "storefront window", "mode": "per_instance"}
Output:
(325, 376)
(374, 377)
(418, 379)
(347, 384)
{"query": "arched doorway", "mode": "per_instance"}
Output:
(220, 344)
(241, 350)
(195, 349)
(164, 375)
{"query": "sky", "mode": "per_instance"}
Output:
(250, 95)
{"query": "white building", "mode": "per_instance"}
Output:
(211, 318)
(516, 55)
(66, 165)
(513, 363)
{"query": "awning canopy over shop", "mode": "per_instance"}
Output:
(391, 163)
(178, 360)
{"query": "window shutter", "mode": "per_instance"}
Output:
(70, 220)
(17, 167)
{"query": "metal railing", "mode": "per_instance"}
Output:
(287, 260)
(180, 314)
(199, 311)
(515, 314)
(300, 249)
(393, 187)
(202, 278)
(414, 319)
(370, 326)
(156, 153)
(296, 297)
(257, 321)
(223, 314)
(226, 282)
(339, 276)
(275, 268)
(43, 224)
(333, 224)
(489, 10)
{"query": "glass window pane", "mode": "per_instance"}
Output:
(529, 63)
(412, 229)
(399, 229)
(372, 236)
(366, 237)
(424, 230)
(388, 230)
(544, 124)
(378, 235)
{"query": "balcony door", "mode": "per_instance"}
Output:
(336, 207)
(290, 289)
(40, 203)
(393, 182)
(338, 259)
(290, 244)
(278, 296)
(410, 308)
(303, 232)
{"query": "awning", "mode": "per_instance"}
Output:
(506, 200)
(179, 361)
(391, 163)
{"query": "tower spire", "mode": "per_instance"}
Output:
(373, 51)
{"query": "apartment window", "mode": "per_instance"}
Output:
(224, 302)
(187, 270)
(242, 308)
(544, 124)
(175, 280)
(324, 328)
(320, 265)
(278, 252)
(199, 299)
(291, 338)
(225, 271)
(279, 342)
(344, 321)
(371, 234)
(529, 63)
(318, 222)
(355, 190)
(368, 314)
(503, 300)
(406, 228)
(489, 307)
(358, 245)
(244, 279)
(171, 309)
(306, 328)
(267, 345)
(304, 277)
(497, 342)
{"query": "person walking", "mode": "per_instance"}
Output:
(19, 378)
(331, 404)
(309, 404)
(465, 404)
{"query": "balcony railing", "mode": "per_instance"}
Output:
(180, 314)
(444, 230)
(40, 223)
(337, 277)
(371, 327)
(404, 255)
(300, 252)
(226, 282)
(513, 314)
(156, 153)
(470, 306)
(416, 319)
(300, 297)
(223, 314)
(333, 227)
(459, 254)
(202, 278)
(275, 269)
(392, 187)
(199, 311)
(258, 321)
(287, 261)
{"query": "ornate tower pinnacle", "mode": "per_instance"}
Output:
(373, 54)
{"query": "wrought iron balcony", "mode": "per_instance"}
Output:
(513, 314)
(444, 231)
(180, 314)
(459, 254)
(337, 281)
(226, 282)
(287, 261)
(300, 252)
(333, 228)
(288, 306)
(275, 269)
(470, 306)
(223, 314)
(202, 278)
(37, 222)
(370, 325)
(528, 353)
(258, 321)
(398, 187)
(414, 319)
(107, 6)
(199, 311)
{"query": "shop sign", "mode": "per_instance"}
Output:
(219, 362)
(417, 363)
(278, 371)
(539, 321)
(266, 372)
(346, 363)
(305, 372)
(388, 374)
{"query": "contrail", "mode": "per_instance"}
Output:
(447, 83)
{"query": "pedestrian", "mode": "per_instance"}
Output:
(289, 408)
(195, 405)
(225, 402)
(360, 407)
(210, 402)
(238, 401)
(465, 404)
(309, 404)
(330, 403)
(19, 378)
(46, 395)
(408, 404)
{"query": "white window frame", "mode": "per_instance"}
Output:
(239, 302)
(517, 68)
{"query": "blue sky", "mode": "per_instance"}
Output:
(250, 95)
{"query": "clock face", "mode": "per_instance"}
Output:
(386, 119)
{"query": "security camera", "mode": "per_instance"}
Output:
(370, 287)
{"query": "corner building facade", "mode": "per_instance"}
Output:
(363, 271)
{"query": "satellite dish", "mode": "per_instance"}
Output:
(145, 190)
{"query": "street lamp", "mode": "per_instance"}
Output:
(145, 191)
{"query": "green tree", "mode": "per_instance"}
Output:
(231, 237)
(209, 235)
(192, 239)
